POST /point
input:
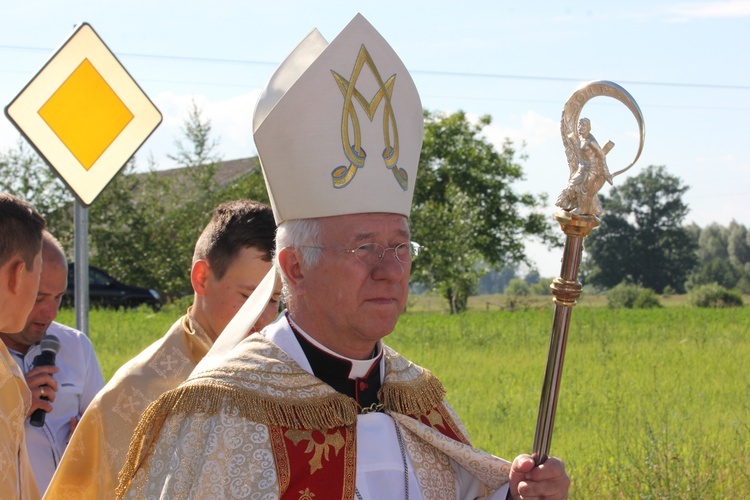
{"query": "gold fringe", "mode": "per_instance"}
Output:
(415, 397)
(213, 397)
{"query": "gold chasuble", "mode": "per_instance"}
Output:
(254, 423)
(16, 477)
(97, 449)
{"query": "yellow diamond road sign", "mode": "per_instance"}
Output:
(84, 114)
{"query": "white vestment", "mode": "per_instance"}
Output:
(255, 422)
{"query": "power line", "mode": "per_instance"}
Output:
(502, 76)
(202, 59)
(485, 98)
(723, 195)
(568, 79)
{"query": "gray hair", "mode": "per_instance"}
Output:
(302, 235)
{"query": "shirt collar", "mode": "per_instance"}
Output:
(358, 368)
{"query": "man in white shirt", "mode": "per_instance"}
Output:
(64, 390)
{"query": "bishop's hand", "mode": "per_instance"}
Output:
(547, 480)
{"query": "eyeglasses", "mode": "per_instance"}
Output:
(372, 253)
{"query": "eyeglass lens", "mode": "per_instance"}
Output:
(372, 253)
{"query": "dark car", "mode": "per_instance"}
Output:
(105, 291)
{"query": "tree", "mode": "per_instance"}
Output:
(641, 239)
(449, 265)
(713, 241)
(145, 224)
(496, 281)
(24, 174)
(739, 254)
(532, 277)
(465, 211)
(541, 287)
(132, 231)
(201, 147)
(518, 288)
(716, 271)
(724, 257)
(738, 244)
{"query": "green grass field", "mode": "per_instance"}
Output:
(654, 403)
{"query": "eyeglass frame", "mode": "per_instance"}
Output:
(415, 250)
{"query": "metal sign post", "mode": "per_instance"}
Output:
(82, 267)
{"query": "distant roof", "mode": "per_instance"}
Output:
(226, 171)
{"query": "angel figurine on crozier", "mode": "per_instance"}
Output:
(588, 171)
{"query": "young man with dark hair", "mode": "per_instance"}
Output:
(231, 257)
(20, 265)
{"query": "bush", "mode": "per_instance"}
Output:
(517, 288)
(541, 287)
(646, 299)
(714, 295)
(622, 296)
(743, 285)
(630, 296)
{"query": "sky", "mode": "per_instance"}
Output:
(518, 62)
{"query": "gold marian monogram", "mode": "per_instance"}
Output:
(321, 450)
(356, 155)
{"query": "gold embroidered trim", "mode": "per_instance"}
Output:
(214, 397)
(416, 397)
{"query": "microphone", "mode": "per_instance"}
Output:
(50, 346)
